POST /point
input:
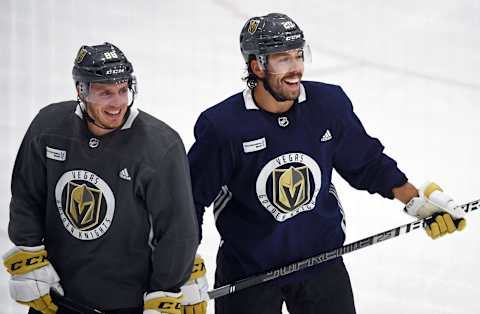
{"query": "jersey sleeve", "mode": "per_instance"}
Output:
(211, 164)
(360, 160)
(28, 187)
(175, 233)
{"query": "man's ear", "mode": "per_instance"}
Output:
(257, 69)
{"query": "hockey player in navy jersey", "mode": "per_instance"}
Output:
(101, 206)
(265, 156)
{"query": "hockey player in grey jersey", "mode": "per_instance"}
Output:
(101, 206)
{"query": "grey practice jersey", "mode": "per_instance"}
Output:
(115, 212)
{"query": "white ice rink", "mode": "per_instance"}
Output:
(411, 69)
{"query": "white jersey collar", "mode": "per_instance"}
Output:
(128, 123)
(250, 104)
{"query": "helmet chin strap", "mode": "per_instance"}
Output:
(88, 118)
(83, 106)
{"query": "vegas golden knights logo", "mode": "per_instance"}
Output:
(289, 185)
(80, 55)
(252, 27)
(83, 205)
(291, 188)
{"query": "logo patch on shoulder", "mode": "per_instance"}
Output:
(55, 154)
(86, 204)
(255, 145)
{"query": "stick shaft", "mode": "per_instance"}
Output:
(326, 256)
(72, 305)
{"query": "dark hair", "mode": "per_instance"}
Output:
(250, 78)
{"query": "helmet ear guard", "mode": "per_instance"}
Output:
(133, 84)
(83, 89)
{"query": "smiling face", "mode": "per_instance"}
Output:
(107, 105)
(285, 70)
(279, 83)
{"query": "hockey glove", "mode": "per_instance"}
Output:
(162, 302)
(195, 295)
(32, 276)
(432, 202)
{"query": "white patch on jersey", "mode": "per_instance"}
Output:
(255, 145)
(56, 154)
(85, 223)
(284, 164)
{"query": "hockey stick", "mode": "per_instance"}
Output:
(71, 305)
(318, 259)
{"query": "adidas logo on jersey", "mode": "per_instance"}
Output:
(124, 175)
(327, 136)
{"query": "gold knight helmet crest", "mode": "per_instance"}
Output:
(252, 27)
(291, 188)
(80, 55)
(83, 205)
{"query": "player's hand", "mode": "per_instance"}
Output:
(32, 276)
(447, 217)
(195, 295)
(162, 302)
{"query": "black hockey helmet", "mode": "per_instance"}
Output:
(103, 63)
(271, 33)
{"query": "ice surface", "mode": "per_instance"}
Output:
(411, 69)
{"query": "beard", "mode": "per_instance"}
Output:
(284, 88)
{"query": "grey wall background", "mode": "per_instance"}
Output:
(410, 68)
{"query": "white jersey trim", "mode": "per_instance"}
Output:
(131, 117)
(333, 191)
(250, 104)
(222, 199)
(151, 235)
(78, 110)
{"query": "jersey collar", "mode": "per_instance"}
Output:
(250, 104)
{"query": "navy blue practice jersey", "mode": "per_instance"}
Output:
(269, 176)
